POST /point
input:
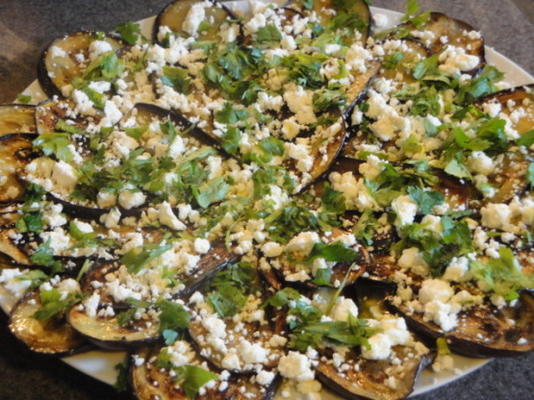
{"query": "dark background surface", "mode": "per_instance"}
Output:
(26, 26)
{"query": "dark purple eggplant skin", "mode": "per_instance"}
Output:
(42, 74)
(157, 22)
(501, 343)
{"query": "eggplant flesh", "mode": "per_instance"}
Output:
(15, 152)
(175, 15)
(149, 382)
(17, 118)
(483, 331)
(55, 336)
(375, 379)
(68, 58)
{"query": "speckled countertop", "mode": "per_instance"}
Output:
(26, 26)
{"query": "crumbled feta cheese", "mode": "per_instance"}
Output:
(98, 47)
(265, 378)
(479, 163)
(435, 289)
(412, 259)
(58, 239)
(202, 246)
(457, 269)
(295, 366)
(303, 242)
(405, 208)
(129, 199)
(343, 308)
(300, 102)
(106, 199)
(194, 17)
(455, 60)
(272, 249)
(166, 217)
(380, 347)
(91, 304)
(111, 219)
(112, 114)
(84, 105)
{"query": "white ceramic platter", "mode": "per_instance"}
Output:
(101, 365)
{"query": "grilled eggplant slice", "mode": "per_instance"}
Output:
(509, 176)
(149, 382)
(483, 331)
(54, 336)
(373, 379)
(106, 332)
(176, 19)
(68, 58)
(17, 118)
(15, 152)
(458, 34)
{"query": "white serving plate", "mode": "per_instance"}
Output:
(101, 365)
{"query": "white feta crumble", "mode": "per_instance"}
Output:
(194, 17)
(129, 199)
(343, 308)
(202, 246)
(296, 366)
(98, 47)
(405, 208)
(166, 217)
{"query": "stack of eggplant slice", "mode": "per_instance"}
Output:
(271, 199)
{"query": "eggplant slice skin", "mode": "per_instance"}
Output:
(174, 15)
(149, 383)
(60, 62)
(370, 381)
(15, 152)
(483, 331)
(48, 337)
(17, 118)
